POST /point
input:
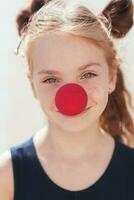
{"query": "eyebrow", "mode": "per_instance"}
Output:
(79, 69)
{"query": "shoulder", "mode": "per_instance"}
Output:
(9, 164)
(125, 157)
(6, 176)
(126, 152)
(128, 165)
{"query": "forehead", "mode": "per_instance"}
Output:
(64, 49)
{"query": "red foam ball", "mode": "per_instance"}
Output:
(71, 99)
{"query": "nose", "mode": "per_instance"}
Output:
(71, 99)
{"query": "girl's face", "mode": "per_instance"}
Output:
(60, 58)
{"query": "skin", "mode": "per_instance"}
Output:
(77, 140)
(65, 53)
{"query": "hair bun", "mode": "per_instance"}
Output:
(24, 15)
(120, 14)
(22, 20)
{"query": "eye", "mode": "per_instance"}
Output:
(89, 75)
(53, 80)
(50, 80)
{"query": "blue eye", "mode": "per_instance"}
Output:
(49, 80)
(53, 80)
(89, 75)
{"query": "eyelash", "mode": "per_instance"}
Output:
(92, 74)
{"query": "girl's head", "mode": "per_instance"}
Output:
(67, 37)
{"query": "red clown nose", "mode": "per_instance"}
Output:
(71, 99)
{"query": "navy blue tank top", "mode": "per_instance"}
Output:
(31, 182)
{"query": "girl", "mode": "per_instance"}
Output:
(75, 73)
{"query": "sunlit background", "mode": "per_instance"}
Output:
(20, 113)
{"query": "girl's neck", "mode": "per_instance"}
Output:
(71, 145)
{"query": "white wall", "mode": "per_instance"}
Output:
(20, 113)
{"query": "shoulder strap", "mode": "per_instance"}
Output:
(19, 155)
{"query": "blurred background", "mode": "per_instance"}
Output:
(20, 113)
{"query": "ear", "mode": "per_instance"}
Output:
(113, 79)
(32, 84)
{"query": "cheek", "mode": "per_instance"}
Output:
(98, 92)
(46, 98)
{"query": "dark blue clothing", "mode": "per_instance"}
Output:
(31, 182)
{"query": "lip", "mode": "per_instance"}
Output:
(78, 114)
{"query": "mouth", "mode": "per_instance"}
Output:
(86, 109)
